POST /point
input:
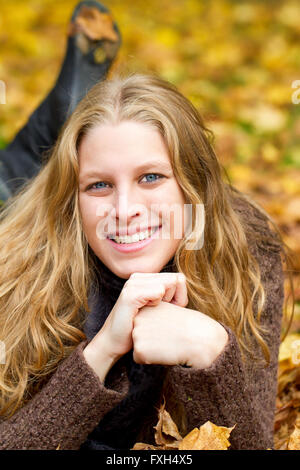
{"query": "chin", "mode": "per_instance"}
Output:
(135, 267)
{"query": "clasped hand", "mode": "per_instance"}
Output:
(168, 334)
(150, 317)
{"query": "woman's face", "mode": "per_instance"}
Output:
(126, 186)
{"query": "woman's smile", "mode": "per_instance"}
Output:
(136, 242)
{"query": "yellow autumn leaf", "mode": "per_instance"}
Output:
(143, 446)
(287, 348)
(294, 440)
(207, 437)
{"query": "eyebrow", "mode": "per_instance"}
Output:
(157, 164)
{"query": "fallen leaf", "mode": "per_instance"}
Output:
(94, 24)
(294, 440)
(166, 430)
(143, 446)
(207, 437)
(286, 347)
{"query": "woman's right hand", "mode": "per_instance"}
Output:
(141, 289)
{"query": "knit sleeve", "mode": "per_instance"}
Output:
(66, 409)
(232, 391)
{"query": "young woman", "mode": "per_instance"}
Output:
(99, 327)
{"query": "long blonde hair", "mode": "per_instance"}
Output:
(46, 267)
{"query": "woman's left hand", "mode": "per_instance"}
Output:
(168, 334)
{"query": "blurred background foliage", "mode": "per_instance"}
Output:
(235, 60)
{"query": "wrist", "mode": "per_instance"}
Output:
(99, 357)
(218, 342)
(207, 341)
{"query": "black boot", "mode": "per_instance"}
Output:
(94, 40)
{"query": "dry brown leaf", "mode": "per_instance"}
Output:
(143, 446)
(287, 376)
(287, 416)
(94, 24)
(166, 436)
(294, 440)
(207, 437)
(167, 433)
(287, 351)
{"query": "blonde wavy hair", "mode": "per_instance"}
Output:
(46, 267)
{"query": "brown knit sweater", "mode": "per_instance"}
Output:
(229, 392)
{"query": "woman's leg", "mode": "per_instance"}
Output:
(93, 42)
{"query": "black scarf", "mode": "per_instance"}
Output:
(120, 427)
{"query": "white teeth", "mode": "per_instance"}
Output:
(136, 237)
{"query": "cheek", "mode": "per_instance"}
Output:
(88, 214)
(174, 193)
(170, 193)
(175, 197)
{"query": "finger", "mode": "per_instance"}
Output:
(148, 282)
(153, 303)
(180, 297)
(137, 276)
(136, 295)
(169, 294)
(144, 279)
(174, 285)
(168, 286)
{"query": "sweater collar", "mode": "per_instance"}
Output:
(111, 281)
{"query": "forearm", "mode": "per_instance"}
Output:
(220, 394)
(99, 358)
(65, 411)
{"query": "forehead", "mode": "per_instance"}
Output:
(123, 144)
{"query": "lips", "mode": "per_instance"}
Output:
(135, 246)
(130, 232)
(138, 236)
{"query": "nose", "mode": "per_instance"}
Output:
(126, 211)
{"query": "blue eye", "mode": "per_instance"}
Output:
(102, 185)
(97, 185)
(152, 180)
